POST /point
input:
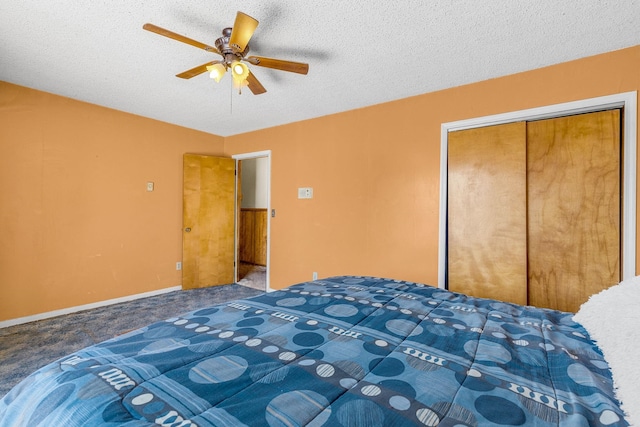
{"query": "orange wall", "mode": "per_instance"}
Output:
(77, 225)
(76, 222)
(376, 173)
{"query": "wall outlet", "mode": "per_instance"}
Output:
(315, 275)
(178, 265)
(149, 186)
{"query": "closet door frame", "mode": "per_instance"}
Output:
(627, 101)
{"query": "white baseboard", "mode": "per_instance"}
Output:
(49, 314)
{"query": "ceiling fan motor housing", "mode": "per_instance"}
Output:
(229, 54)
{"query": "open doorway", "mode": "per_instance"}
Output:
(253, 218)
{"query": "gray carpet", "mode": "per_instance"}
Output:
(253, 276)
(27, 347)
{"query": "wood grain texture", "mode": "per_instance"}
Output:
(574, 208)
(487, 212)
(253, 236)
(209, 212)
(260, 241)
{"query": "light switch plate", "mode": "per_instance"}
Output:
(305, 193)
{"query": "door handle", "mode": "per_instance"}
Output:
(188, 229)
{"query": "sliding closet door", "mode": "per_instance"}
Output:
(487, 212)
(574, 208)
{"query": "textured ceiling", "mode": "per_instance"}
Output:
(360, 52)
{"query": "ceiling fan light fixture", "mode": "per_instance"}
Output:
(240, 72)
(216, 71)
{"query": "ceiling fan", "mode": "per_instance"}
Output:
(233, 46)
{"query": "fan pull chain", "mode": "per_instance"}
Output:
(231, 99)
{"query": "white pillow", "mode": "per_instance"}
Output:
(612, 318)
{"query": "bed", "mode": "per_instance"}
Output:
(341, 351)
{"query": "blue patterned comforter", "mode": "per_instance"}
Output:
(344, 351)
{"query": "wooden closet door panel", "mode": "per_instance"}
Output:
(487, 212)
(247, 235)
(261, 237)
(253, 236)
(574, 208)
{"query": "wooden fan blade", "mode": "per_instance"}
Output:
(242, 31)
(254, 85)
(196, 71)
(180, 38)
(278, 64)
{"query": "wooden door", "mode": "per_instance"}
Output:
(246, 236)
(574, 208)
(487, 248)
(208, 221)
(252, 241)
(260, 239)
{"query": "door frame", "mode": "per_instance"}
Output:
(627, 101)
(247, 156)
